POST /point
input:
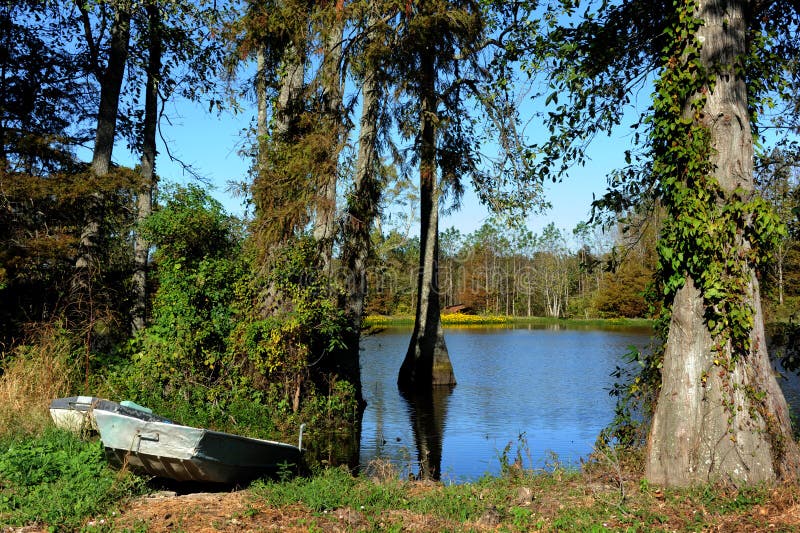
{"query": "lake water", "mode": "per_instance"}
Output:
(548, 386)
(544, 387)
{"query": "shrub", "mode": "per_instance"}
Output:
(179, 366)
(198, 267)
(229, 347)
(290, 351)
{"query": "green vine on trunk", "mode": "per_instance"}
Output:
(714, 237)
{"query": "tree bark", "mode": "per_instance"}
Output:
(332, 95)
(261, 103)
(427, 362)
(290, 94)
(779, 258)
(110, 88)
(706, 427)
(288, 109)
(362, 211)
(148, 165)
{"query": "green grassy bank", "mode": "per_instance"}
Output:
(460, 319)
(56, 482)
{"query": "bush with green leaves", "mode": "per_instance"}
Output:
(198, 265)
(212, 356)
(179, 365)
(292, 349)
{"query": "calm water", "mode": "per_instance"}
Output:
(549, 385)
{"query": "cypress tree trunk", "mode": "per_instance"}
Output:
(148, 165)
(268, 199)
(261, 101)
(427, 361)
(290, 94)
(332, 95)
(779, 260)
(707, 426)
(362, 210)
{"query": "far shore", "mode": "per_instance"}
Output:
(462, 319)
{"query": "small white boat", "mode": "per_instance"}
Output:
(149, 444)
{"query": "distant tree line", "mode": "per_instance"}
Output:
(594, 271)
(512, 271)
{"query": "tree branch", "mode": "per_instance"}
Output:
(94, 54)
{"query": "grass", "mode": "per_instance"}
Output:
(334, 488)
(58, 480)
(31, 376)
(600, 497)
(49, 476)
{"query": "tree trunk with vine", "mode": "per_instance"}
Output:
(289, 105)
(262, 127)
(362, 209)
(275, 221)
(720, 415)
(332, 118)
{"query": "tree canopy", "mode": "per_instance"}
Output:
(355, 100)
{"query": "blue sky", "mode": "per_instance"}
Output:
(210, 144)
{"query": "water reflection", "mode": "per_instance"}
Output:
(334, 448)
(546, 384)
(550, 385)
(428, 414)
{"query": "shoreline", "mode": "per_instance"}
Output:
(460, 319)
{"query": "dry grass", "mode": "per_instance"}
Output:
(381, 470)
(32, 375)
(575, 503)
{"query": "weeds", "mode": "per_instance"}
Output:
(334, 488)
(58, 480)
(381, 471)
(31, 376)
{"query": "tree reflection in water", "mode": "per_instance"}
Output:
(428, 413)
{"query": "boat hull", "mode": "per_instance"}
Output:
(186, 453)
(72, 413)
